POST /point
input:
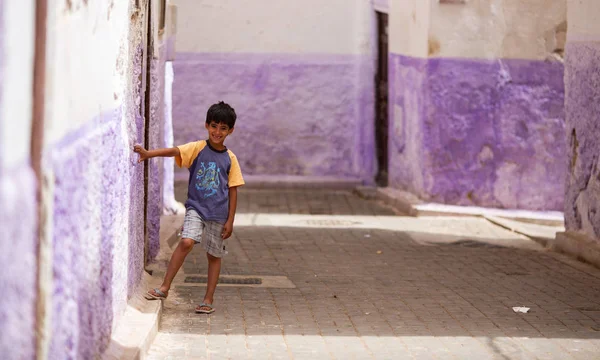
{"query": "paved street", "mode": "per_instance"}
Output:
(434, 288)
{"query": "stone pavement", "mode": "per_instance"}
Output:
(314, 202)
(442, 289)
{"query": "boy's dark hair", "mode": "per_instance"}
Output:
(221, 113)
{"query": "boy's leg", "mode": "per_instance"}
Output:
(179, 255)
(214, 269)
(191, 233)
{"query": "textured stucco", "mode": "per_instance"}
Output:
(18, 243)
(297, 114)
(18, 27)
(268, 26)
(98, 249)
(155, 169)
(97, 214)
(18, 207)
(134, 122)
(531, 29)
(478, 132)
(582, 80)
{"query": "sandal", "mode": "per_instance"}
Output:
(210, 310)
(150, 296)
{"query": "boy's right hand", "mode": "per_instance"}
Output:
(142, 152)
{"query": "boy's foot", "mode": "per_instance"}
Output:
(156, 294)
(205, 308)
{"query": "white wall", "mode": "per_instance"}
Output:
(81, 42)
(17, 82)
(267, 26)
(477, 29)
(497, 28)
(409, 27)
(584, 20)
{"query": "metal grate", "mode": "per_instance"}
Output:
(476, 244)
(225, 280)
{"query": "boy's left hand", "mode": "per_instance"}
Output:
(227, 230)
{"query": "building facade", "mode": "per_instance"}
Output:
(477, 102)
(582, 82)
(298, 73)
(78, 220)
(474, 92)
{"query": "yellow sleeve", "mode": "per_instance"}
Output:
(235, 173)
(188, 153)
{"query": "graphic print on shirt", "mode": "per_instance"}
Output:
(207, 179)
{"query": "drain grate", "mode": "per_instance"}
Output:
(225, 280)
(476, 244)
(247, 280)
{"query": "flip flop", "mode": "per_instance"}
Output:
(150, 296)
(210, 310)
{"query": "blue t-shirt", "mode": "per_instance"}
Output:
(212, 173)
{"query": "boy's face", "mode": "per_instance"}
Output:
(217, 132)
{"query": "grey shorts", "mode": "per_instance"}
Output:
(205, 233)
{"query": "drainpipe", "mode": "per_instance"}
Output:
(37, 141)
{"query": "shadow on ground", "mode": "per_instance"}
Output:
(298, 201)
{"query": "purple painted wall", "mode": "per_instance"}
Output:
(156, 140)
(18, 242)
(478, 132)
(97, 248)
(582, 80)
(297, 114)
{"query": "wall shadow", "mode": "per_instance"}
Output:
(300, 201)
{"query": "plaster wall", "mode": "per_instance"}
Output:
(582, 81)
(299, 74)
(498, 29)
(94, 116)
(409, 27)
(18, 240)
(476, 102)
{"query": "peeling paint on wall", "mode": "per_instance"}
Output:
(297, 114)
(478, 132)
(582, 203)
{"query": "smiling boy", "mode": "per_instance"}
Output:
(212, 199)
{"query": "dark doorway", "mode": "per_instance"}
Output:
(381, 105)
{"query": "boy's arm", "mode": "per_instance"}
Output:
(147, 154)
(228, 227)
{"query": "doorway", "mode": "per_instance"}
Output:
(381, 102)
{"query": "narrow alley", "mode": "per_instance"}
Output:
(443, 288)
(418, 179)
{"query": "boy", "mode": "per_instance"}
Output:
(212, 199)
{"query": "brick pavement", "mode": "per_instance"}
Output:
(379, 294)
(290, 201)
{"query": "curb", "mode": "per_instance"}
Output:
(138, 326)
(578, 246)
(542, 234)
(413, 206)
